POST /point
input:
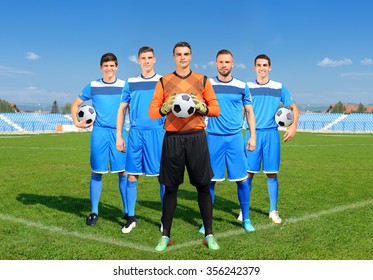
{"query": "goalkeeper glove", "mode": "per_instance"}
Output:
(201, 107)
(166, 107)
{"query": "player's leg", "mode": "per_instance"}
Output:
(153, 140)
(171, 174)
(131, 195)
(95, 189)
(118, 165)
(122, 184)
(271, 167)
(200, 175)
(98, 159)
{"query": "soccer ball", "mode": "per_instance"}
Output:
(87, 113)
(284, 117)
(183, 106)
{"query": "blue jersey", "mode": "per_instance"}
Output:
(138, 92)
(105, 100)
(231, 96)
(266, 101)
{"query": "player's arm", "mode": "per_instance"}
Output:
(292, 129)
(74, 110)
(213, 109)
(250, 118)
(157, 102)
(120, 143)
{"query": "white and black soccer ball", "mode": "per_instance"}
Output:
(183, 106)
(284, 117)
(87, 113)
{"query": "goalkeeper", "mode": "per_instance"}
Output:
(185, 144)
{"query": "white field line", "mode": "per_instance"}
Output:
(122, 243)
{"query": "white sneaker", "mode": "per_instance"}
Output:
(129, 226)
(239, 218)
(275, 217)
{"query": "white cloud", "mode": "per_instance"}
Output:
(366, 61)
(204, 66)
(133, 58)
(240, 66)
(358, 75)
(10, 72)
(32, 56)
(327, 62)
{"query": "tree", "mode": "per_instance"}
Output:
(55, 109)
(66, 109)
(361, 108)
(338, 108)
(5, 107)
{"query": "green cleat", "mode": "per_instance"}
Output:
(248, 226)
(163, 243)
(210, 242)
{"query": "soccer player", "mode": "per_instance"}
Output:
(267, 95)
(224, 133)
(105, 95)
(145, 136)
(185, 144)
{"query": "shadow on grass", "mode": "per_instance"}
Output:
(74, 205)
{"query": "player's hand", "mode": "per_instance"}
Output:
(121, 145)
(201, 107)
(251, 144)
(290, 133)
(83, 124)
(166, 107)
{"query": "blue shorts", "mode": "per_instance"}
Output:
(227, 152)
(144, 148)
(104, 151)
(267, 152)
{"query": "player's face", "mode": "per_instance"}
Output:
(262, 68)
(182, 57)
(109, 69)
(146, 61)
(224, 64)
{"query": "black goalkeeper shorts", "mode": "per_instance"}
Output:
(185, 149)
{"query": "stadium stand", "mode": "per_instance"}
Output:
(318, 122)
(36, 122)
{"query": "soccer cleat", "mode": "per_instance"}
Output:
(239, 218)
(125, 217)
(163, 243)
(92, 219)
(275, 217)
(202, 229)
(131, 223)
(211, 243)
(247, 225)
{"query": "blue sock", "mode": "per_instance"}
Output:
(95, 188)
(243, 192)
(273, 193)
(162, 189)
(122, 182)
(131, 197)
(212, 191)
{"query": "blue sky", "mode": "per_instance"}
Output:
(322, 50)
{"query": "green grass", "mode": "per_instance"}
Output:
(325, 200)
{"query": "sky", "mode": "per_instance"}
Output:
(321, 50)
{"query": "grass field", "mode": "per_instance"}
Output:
(325, 200)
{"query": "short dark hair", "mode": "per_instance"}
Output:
(108, 57)
(262, 56)
(145, 49)
(182, 44)
(223, 51)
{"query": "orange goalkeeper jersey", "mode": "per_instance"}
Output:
(194, 83)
